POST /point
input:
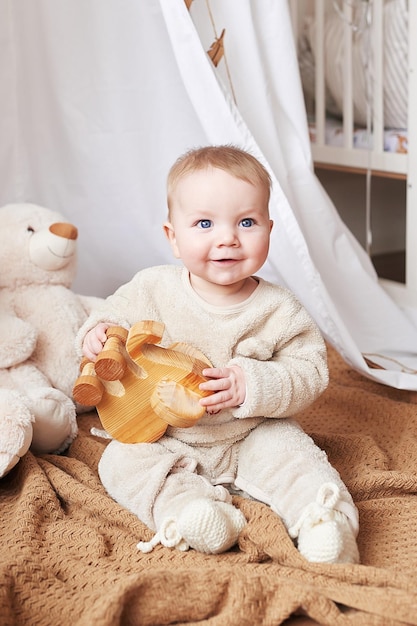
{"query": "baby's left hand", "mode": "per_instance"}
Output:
(228, 385)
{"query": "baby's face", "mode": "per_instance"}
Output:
(219, 227)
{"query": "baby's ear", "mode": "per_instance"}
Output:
(170, 235)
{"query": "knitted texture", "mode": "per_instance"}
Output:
(205, 525)
(210, 526)
(68, 551)
(323, 533)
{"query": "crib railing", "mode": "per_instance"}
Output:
(347, 156)
(372, 161)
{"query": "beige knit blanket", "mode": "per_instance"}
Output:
(68, 552)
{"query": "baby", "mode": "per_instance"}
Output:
(269, 362)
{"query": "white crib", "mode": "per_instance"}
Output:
(351, 71)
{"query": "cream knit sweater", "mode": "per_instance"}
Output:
(269, 335)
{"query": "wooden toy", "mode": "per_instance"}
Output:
(140, 388)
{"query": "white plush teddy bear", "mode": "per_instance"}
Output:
(39, 318)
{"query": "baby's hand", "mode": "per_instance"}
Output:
(94, 341)
(228, 385)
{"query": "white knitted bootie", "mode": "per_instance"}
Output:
(324, 534)
(206, 525)
(210, 526)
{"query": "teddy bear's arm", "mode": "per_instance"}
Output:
(17, 340)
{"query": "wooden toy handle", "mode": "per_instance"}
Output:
(88, 389)
(111, 362)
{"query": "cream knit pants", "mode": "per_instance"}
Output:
(277, 463)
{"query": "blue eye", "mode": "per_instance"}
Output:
(205, 223)
(247, 222)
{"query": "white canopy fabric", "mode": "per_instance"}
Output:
(98, 98)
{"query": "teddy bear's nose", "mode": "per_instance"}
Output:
(62, 229)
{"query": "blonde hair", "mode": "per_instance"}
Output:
(233, 160)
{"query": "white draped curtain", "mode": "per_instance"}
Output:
(98, 98)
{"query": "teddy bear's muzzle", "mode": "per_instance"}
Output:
(53, 248)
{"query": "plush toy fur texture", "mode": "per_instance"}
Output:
(39, 318)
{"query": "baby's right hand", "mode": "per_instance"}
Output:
(94, 341)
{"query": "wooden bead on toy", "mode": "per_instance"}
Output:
(111, 362)
(157, 386)
(88, 388)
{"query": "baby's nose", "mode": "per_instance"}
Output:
(228, 237)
